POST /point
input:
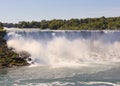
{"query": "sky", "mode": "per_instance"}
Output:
(36, 10)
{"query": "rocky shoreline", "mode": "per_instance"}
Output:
(9, 58)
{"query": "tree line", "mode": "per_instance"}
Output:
(1, 25)
(101, 23)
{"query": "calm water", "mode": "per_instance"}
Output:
(65, 58)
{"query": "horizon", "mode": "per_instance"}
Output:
(37, 10)
(59, 19)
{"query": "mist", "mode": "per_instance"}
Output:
(54, 50)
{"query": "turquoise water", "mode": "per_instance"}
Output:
(97, 75)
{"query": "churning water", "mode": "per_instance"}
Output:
(65, 58)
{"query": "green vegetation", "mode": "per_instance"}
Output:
(1, 26)
(9, 58)
(101, 23)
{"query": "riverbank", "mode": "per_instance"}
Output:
(100, 23)
(9, 58)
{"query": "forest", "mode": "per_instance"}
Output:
(102, 23)
(1, 26)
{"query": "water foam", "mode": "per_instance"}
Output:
(62, 51)
(72, 84)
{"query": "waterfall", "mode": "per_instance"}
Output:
(67, 48)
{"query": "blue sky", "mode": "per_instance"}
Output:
(29, 10)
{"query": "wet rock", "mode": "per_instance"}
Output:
(24, 54)
(9, 58)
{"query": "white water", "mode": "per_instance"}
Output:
(69, 58)
(49, 48)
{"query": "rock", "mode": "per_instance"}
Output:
(9, 58)
(29, 59)
(24, 54)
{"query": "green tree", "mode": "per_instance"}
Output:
(104, 22)
(72, 24)
(44, 24)
(24, 24)
(35, 24)
(1, 25)
(56, 24)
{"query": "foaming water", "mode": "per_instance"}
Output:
(67, 48)
(72, 84)
(65, 58)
